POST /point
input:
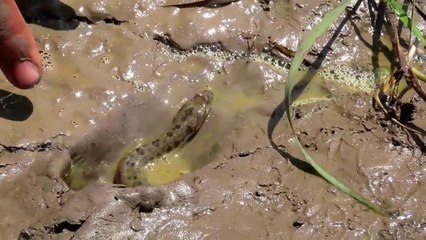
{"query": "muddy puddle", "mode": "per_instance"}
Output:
(108, 82)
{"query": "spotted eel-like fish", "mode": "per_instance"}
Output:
(185, 125)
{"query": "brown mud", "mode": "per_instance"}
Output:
(107, 82)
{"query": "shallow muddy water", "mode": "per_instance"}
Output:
(108, 82)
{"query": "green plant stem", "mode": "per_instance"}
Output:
(304, 48)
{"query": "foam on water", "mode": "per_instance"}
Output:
(357, 79)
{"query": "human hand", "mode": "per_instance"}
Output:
(20, 60)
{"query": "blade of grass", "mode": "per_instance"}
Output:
(303, 49)
(420, 75)
(405, 19)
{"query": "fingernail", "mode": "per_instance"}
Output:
(26, 75)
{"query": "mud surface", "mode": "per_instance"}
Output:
(107, 82)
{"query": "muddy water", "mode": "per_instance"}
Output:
(107, 83)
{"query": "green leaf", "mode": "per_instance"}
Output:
(405, 19)
(303, 49)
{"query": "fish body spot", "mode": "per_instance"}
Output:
(140, 151)
(156, 143)
(169, 148)
(189, 129)
(176, 143)
(189, 111)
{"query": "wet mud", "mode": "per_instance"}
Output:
(107, 82)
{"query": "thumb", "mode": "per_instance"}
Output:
(20, 60)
